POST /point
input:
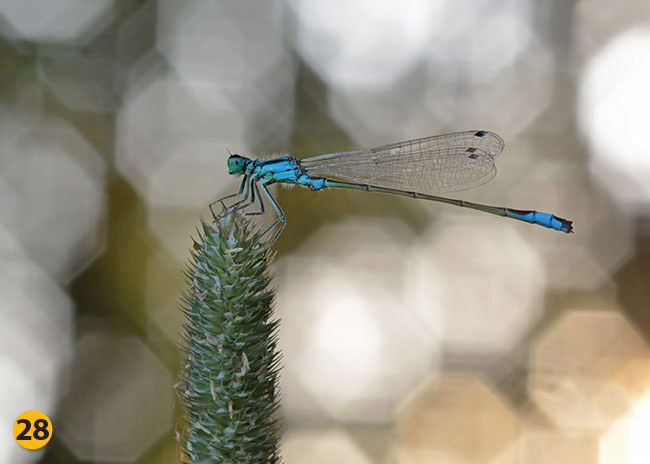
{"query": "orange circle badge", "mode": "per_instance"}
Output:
(32, 429)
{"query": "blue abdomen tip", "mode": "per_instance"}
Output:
(543, 219)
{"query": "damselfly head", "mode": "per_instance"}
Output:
(237, 164)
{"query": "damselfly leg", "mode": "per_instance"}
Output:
(256, 191)
(243, 203)
(281, 220)
(249, 193)
(243, 186)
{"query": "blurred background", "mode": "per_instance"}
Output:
(412, 332)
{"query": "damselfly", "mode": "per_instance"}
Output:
(416, 168)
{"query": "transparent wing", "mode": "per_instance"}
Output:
(437, 164)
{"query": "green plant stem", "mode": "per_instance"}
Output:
(230, 368)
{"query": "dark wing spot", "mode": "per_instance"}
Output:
(472, 150)
(481, 133)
